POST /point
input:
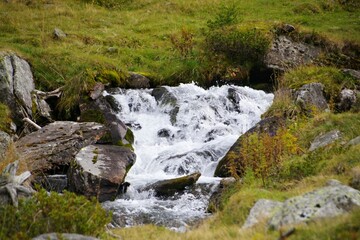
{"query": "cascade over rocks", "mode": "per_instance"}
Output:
(99, 170)
(171, 186)
(267, 125)
(55, 145)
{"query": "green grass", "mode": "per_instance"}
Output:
(135, 36)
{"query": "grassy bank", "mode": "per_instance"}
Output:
(137, 35)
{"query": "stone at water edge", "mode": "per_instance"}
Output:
(99, 170)
(54, 146)
(215, 199)
(325, 139)
(169, 187)
(138, 81)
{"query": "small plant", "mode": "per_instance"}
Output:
(226, 16)
(44, 213)
(263, 154)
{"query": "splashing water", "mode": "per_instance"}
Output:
(179, 131)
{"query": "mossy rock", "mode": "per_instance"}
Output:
(93, 115)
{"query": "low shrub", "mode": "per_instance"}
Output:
(45, 213)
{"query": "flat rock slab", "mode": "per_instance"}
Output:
(63, 236)
(99, 170)
(57, 144)
(325, 139)
(328, 201)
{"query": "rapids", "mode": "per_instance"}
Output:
(180, 131)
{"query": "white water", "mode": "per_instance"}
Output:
(206, 125)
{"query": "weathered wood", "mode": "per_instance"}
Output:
(45, 95)
(28, 120)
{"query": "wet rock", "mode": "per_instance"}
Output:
(325, 139)
(16, 85)
(99, 170)
(267, 125)
(56, 144)
(164, 133)
(233, 96)
(347, 100)
(355, 178)
(328, 201)
(138, 81)
(59, 34)
(63, 236)
(5, 141)
(216, 197)
(163, 96)
(171, 186)
(285, 53)
(311, 96)
(262, 209)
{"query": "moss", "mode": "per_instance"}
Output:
(128, 145)
(5, 119)
(112, 77)
(129, 136)
(93, 116)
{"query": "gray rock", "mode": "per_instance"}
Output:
(328, 201)
(5, 141)
(171, 186)
(59, 34)
(354, 141)
(16, 85)
(43, 109)
(96, 92)
(311, 96)
(347, 100)
(262, 209)
(99, 170)
(285, 53)
(63, 236)
(137, 81)
(325, 139)
(216, 198)
(352, 72)
(55, 145)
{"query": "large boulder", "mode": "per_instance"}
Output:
(286, 53)
(268, 125)
(328, 201)
(169, 187)
(324, 140)
(16, 85)
(5, 141)
(51, 149)
(311, 97)
(99, 170)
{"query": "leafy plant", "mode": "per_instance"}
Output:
(44, 213)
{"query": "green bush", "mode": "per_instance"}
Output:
(240, 47)
(226, 16)
(45, 213)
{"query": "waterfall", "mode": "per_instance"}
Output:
(179, 131)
